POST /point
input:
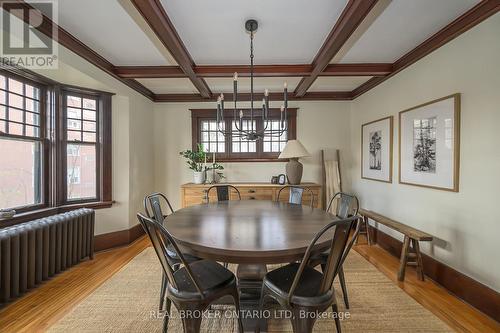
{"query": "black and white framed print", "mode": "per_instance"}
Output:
(376, 150)
(429, 144)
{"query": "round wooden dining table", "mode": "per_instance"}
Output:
(250, 233)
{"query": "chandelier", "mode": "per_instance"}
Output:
(250, 132)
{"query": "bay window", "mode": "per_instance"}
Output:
(55, 144)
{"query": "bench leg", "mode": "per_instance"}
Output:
(367, 231)
(418, 259)
(404, 258)
(363, 230)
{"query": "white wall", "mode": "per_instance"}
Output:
(465, 223)
(320, 125)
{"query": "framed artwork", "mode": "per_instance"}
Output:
(376, 150)
(429, 144)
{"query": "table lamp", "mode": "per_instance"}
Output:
(293, 150)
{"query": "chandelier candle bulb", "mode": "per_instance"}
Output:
(235, 77)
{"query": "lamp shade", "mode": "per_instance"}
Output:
(294, 149)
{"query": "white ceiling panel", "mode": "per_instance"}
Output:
(169, 86)
(290, 31)
(274, 84)
(107, 28)
(338, 83)
(402, 26)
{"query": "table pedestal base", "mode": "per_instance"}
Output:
(250, 278)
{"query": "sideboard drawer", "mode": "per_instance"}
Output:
(256, 193)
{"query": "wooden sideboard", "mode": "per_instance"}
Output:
(194, 194)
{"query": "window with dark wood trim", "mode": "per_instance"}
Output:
(234, 149)
(55, 144)
(23, 143)
(81, 161)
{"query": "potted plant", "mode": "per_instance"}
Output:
(196, 161)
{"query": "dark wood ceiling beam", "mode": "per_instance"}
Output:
(154, 14)
(72, 43)
(373, 82)
(471, 18)
(357, 70)
(140, 72)
(352, 16)
(259, 70)
(242, 97)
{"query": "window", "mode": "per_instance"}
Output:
(73, 175)
(239, 144)
(81, 146)
(274, 143)
(21, 143)
(73, 150)
(211, 139)
(235, 148)
(52, 153)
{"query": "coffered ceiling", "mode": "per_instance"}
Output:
(187, 50)
(338, 83)
(290, 31)
(401, 26)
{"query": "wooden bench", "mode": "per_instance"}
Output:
(410, 253)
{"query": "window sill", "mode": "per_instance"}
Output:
(231, 160)
(48, 211)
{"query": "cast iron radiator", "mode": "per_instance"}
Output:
(34, 251)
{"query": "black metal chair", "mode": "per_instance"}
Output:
(348, 205)
(345, 207)
(223, 192)
(153, 207)
(296, 194)
(304, 291)
(194, 286)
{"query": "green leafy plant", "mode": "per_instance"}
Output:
(195, 159)
(217, 166)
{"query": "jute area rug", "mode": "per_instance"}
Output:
(128, 302)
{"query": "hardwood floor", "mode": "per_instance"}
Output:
(45, 305)
(457, 314)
